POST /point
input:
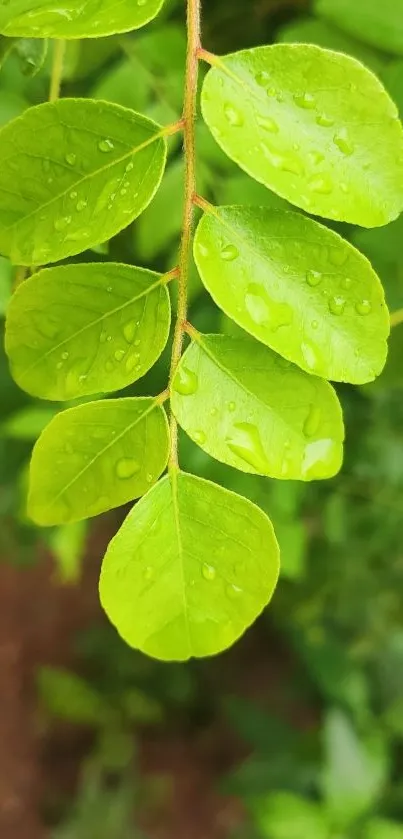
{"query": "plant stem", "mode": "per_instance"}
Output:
(59, 50)
(189, 118)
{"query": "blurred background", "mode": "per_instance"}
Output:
(296, 732)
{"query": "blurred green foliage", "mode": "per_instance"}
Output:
(339, 607)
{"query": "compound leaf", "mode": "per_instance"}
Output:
(244, 406)
(296, 286)
(77, 330)
(97, 456)
(89, 19)
(378, 24)
(190, 569)
(74, 173)
(314, 126)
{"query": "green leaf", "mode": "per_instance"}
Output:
(32, 54)
(240, 403)
(309, 30)
(283, 815)
(355, 770)
(67, 696)
(28, 422)
(6, 278)
(46, 18)
(74, 173)
(192, 566)
(95, 457)
(312, 125)
(383, 829)
(68, 543)
(378, 24)
(296, 286)
(77, 330)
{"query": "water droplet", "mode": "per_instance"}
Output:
(129, 167)
(310, 355)
(338, 256)
(268, 124)
(65, 355)
(305, 100)
(141, 2)
(313, 278)
(288, 163)
(129, 331)
(126, 467)
(119, 355)
(131, 363)
(315, 157)
(123, 191)
(229, 253)
(81, 205)
(231, 407)
(244, 441)
(324, 120)
(343, 142)
(185, 381)
(321, 184)
(233, 116)
(263, 310)
(105, 145)
(208, 572)
(233, 591)
(363, 307)
(312, 421)
(61, 223)
(59, 365)
(199, 437)
(337, 305)
(149, 478)
(109, 289)
(346, 282)
(71, 158)
(73, 195)
(262, 78)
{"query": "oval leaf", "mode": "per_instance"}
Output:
(245, 406)
(297, 287)
(315, 126)
(379, 24)
(74, 173)
(47, 19)
(77, 330)
(95, 457)
(190, 569)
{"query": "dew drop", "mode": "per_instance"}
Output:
(268, 124)
(213, 412)
(59, 365)
(65, 355)
(61, 223)
(123, 191)
(73, 195)
(257, 305)
(131, 363)
(312, 421)
(337, 305)
(229, 253)
(208, 571)
(305, 100)
(105, 145)
(233, 116)
(363, 307)
(109, 289)
(233, 592)
(129, 331)
(310, 355)
(119, 355)
(149, 478)
(81, 205)
(185, 381)
(338, 256)
(315, 157)
(129, 167)
(71, 158)
(287, 163)
(262, 78)
(126, 467)
(314, 278)
(342, 141)
(244, 441)
(199, 437)
(321, 184)
(141, 2)
(324, 121)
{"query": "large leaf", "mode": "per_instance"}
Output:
(379, 24)
(315, 126)
(73, 174)
(95, 457)
(82, 329)
(297, 287)
(238, 401)
(73, 19)
(192, 567)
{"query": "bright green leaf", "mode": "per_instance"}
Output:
(66, 696)
(296, 286)
(192, 566)
(68, 543)
(73, 174)
(383, 829)
(95, 457)
(378, 24)
(314, 126)
(245, 406)
(47, 19)
(77, 330)
(283, 815)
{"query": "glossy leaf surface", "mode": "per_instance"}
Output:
(314, 126)
(192, 566)
(379, 24)
(83, 329)
(245, 406)
(95, 457)
(297, 287)
(72, 19)
(73, 174)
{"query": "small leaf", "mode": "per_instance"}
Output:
(67, 696)
(312, 125)
(240, 403)
(192, 566)
(296, 286)
(74, 173)
(77, 330)
(46, 18)
(378, 24)
(283, 815)
(95, 457)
